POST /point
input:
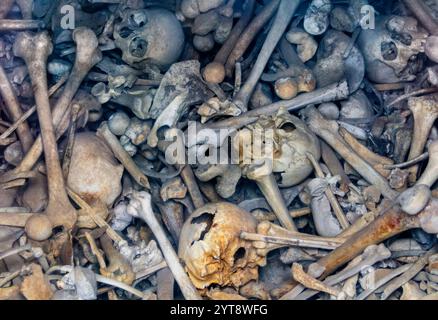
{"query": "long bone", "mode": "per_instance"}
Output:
(328, 131)
(14, 109)
(284, 15)
(425, 112)
(392, 221)
(270, 237)
(17, 25)
(430, 174)
(87, 55)
(370, 256)
(265, 179)
(34, 49)
(214, 72)
(140, 206)
(246, 37)
(334, 92)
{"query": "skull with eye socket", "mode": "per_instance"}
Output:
(149, 37)
(212, 250)
(292, 139)
(390, 50)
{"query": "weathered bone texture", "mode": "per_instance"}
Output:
(212, 250)
(328, 131)
(34, 49)
(94, 173)
(140, 206)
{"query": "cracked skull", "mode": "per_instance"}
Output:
(149, 36)
(391, 48)
(211, 248)
(291, 140)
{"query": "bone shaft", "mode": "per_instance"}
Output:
(17, 25)
(284, 15)
(421, 133)
(229, 44)
(248, 35)
(181, 277)
(391, 223)
(334, 165)
(55, 179)
(270, 190)
(360, 165)
(421, 11)
(430, 175)
(193, 188)
(334, 92)
(14, 109)
(14, 219)
(122, 155)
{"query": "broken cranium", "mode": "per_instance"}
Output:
(211, 248)
(389, 49)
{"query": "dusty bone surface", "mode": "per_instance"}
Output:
(219, 149)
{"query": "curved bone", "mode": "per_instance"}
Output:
(35, 49)
(227, 177)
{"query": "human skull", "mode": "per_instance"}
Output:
(390, 48)
(291, 140)
(149, 36)
(212, 250)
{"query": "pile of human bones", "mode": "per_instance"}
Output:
(97, 96)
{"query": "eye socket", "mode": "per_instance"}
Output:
(389, 50)
(288, 127)
(138, 47)
(239, 254)
(137, 20)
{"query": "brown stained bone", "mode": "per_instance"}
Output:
(282, 19)
(392, 222)
(247, 36)
(309, 282)
(20, 25)
(119, 267)
(214, 72)
(34, 50)
(14, 109)
(87, 55)
(328, 131)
